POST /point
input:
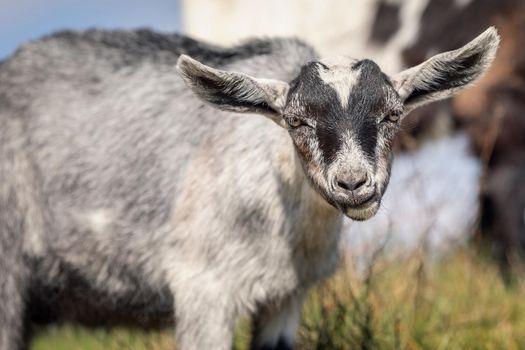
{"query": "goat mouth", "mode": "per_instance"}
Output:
(363, 211)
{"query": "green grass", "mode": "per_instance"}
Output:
(459, 302)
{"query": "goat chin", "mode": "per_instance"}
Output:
(425, 202)
(364, 212)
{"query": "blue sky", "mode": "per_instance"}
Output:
(22, 20)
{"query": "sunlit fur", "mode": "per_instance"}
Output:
(132, 191)
(353, 120)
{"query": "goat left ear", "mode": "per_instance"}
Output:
(447, 73)
(232, 91)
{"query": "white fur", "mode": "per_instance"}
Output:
(281, 323)
(339, 76)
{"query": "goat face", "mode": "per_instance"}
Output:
(342, 114)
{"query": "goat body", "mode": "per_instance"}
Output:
(126, 199)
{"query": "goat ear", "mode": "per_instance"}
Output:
(447, 73)
(232, 91)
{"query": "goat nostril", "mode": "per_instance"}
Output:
(343, 185)
(359, 183)
(351, 185)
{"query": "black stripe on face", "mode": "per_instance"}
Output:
(366, 102)
(320, 103)
(331, 121)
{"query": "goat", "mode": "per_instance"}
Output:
(127, 197)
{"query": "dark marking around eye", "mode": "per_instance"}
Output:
(367, 138)
(329, 142)
(366, 103)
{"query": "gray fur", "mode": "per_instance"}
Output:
(125, 199)
(456, 69)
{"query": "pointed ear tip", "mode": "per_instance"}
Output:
(492, 40)
(184, 62)
(491, 36)
(492, 30)
(486, 43)
(181, 62)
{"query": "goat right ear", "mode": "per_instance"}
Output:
(232, 91)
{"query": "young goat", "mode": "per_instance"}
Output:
(125, 199)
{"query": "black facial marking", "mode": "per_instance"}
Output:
(321, 103)
(366, 102)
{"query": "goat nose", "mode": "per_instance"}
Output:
(352, 183)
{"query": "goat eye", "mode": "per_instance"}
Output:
(294, 122)
(393, 116)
